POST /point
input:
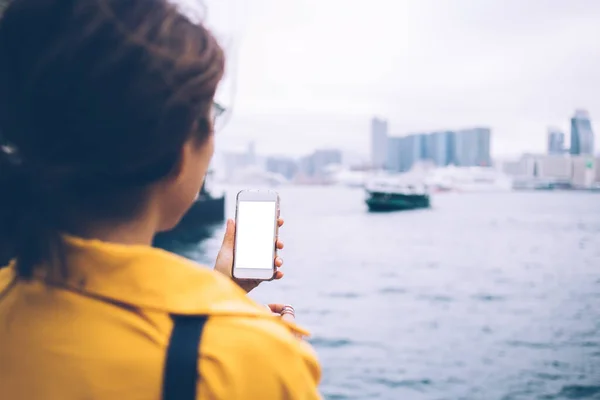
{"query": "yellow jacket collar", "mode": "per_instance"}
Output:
(150, 278)
(147, 277)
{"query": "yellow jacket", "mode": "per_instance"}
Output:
(103, 333)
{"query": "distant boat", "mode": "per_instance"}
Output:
(397, 193)
(395, 201)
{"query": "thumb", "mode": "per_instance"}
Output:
(229, 239)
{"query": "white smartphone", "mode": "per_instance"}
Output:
(256, 215)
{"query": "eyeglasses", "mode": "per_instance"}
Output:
(218, 116)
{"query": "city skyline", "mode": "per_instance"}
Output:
(445, 147)
(306, 78)
(459, 147)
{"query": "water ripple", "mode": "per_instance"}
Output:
(531, 345)
(417, 384)
(346, 295)
(579, 392)
(393, 290)
(436, 298)
(487, 297)
(330, 343)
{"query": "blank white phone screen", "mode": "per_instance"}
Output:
(255, 234)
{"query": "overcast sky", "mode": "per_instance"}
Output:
(311, 73)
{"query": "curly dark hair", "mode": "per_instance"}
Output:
(97, 99)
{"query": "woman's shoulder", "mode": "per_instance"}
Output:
(260, 336)
(150, 278)
(257, 357)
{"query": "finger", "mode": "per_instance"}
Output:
(288, 317)
(280, 222)
(271, 311)
(276, 308)
(278, 275)
(278, 262)
(279, 244)
(229, 238)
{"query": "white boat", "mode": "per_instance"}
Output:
(413, 182)
(468, 179)
(346, 177)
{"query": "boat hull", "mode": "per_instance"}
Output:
(196, 223)
(381, 202)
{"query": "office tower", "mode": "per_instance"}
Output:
(379, 138)
(325, 157)
(472, 147)
(412, 150)
(403, 152)
(285, 166)
(315, 164)
(394, 149)
(556, 141)
(440, 148)
(582, 135)
(465, 148)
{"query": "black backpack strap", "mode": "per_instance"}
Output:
(181, 367)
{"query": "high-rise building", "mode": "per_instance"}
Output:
(379, 142)
(582, 135)
(325, 157)
(440, 148)
(394, 150)
(315, 165)
(472, 147)
(451, 156)
(306, 166)
(285, 166)
(556, 141)
(465, 148)
(404, 152)
(413, 150)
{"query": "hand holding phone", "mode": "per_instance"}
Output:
(256, 219)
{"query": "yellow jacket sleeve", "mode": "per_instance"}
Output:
(255, 359)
